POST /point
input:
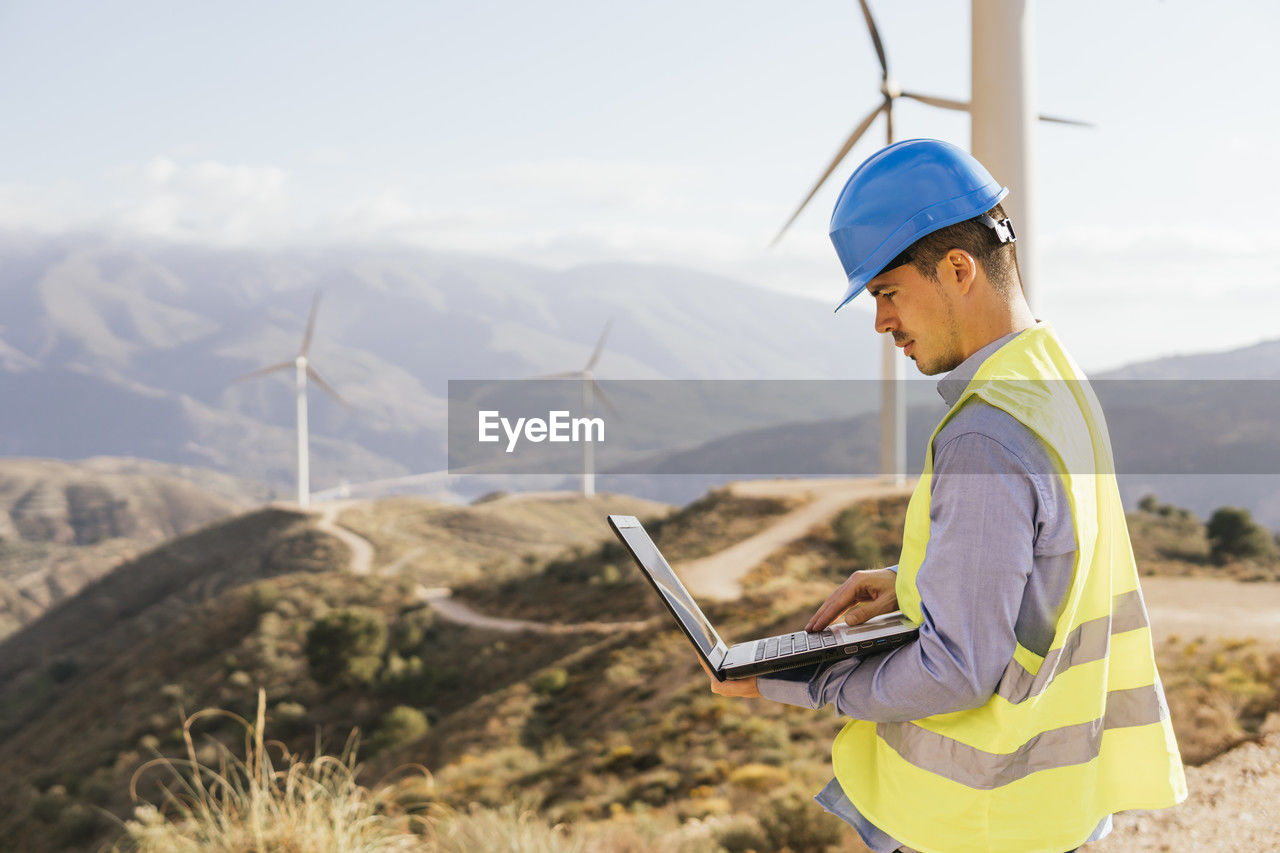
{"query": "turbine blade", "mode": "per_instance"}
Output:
(934, 101)
(325, 386)
(311, 325)
(1059, 120)
(572, 374)
(840, 155)
(875, 38)
(595, 355)
(963, 106)
(262, 371)
(604, 398)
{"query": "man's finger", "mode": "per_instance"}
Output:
(839, 601)
(828, 614)
(864, 610)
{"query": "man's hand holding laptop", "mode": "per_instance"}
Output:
(742, 688)
(864, 595)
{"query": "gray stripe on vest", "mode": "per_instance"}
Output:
(1063, 747)
(1089, 641)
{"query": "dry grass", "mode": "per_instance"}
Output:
(232, 804)
(285, 804)
(1221, 692)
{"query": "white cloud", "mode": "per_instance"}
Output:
(205, 201)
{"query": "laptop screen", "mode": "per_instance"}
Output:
(655, 566)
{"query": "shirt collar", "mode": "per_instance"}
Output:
(953, 384)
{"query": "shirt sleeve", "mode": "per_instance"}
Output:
(971, 582)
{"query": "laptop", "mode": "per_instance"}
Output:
(754, 657)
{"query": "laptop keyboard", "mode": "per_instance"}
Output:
(790, 644)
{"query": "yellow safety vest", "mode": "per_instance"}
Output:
(1068, 738)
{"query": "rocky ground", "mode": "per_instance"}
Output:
(1233, 805)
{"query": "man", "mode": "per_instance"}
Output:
(1029, 709)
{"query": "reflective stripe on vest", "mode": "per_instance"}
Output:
(1067, 738)
(1060, 747)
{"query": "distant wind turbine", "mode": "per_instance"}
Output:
(590, 390)
(893, 453)
(302, 371)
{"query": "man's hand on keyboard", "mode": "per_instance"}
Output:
(864, 595)
(742, 687)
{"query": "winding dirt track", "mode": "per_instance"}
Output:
(1183, 607)
(361, 549)
(719, 575)
(440, 598)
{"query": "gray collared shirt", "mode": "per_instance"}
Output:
(999, 563)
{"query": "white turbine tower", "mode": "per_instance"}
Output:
(893, 448)
(302, 370)
(590, 390)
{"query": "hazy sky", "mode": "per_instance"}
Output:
(571, 132)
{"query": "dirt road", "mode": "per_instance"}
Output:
(1212, 607)
(719, 575)
(361, 549)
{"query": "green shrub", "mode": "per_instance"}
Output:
(1149, 503)
(794, 821)
(400, 725)
(551, 681)
(346, 645)
(1233, 533)
(740, 835)
(262, 596)
(411, 630)
(855, 539)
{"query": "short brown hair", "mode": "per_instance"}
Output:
(998, 260)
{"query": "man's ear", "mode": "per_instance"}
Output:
(959, 268)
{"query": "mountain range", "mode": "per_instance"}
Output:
(132, 349)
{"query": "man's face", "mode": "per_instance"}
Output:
(920, 315)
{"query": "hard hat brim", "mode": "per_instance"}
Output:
(932, 218)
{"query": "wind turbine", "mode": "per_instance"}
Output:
(302, 371)
(590, 389)
(893, 454)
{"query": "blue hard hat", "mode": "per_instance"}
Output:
(898, 195)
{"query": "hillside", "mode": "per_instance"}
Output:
(445, 544)
(64, 524)
(613, 731)
(197, 621)
(85, 502)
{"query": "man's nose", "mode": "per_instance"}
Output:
(885, 320)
